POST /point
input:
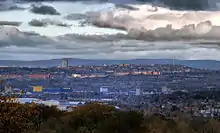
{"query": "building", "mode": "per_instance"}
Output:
(138, 92)
(66, 90)
(166, 90)
(76, 75)
(38, 76)
(37, 88)
(52, 90)
(103, 89)
(65, 63)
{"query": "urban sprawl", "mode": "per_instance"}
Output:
(152, 88)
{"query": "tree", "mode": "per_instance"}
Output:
(15, 117)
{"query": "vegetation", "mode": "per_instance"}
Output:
(95, 118)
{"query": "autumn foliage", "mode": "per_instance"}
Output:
(94, 118)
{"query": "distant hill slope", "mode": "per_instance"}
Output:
(208, 64)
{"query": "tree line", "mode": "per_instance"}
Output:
(95, 118)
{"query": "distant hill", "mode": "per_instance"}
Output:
(207, 64)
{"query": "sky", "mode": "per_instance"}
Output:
(51, 30)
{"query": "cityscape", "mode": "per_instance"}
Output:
(109, 66)
(152, 88)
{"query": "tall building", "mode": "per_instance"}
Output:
(138, 92)
(65, 62)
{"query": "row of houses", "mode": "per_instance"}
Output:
(29, 76)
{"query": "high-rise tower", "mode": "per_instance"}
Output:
(65, 63)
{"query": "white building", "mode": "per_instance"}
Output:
(165, 90)
(103, 89)
(138, 92)
(51, 103)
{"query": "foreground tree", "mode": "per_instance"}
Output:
(14, 117)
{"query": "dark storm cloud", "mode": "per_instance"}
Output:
(174, 4)
(44, 9)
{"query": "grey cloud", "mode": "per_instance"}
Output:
(38, 23)
(14, 42)
(76, 16)
(95, 38)
(46, 22)
(51, 52)
(10, 36)
(204, 30)
(10, 23)
(9, 5)
(174, 4)
(44, 9)
(124, 6)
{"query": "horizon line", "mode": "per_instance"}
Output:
(98, 59)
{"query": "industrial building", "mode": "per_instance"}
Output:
(40, 89)
(37, 88)
(103, 89)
